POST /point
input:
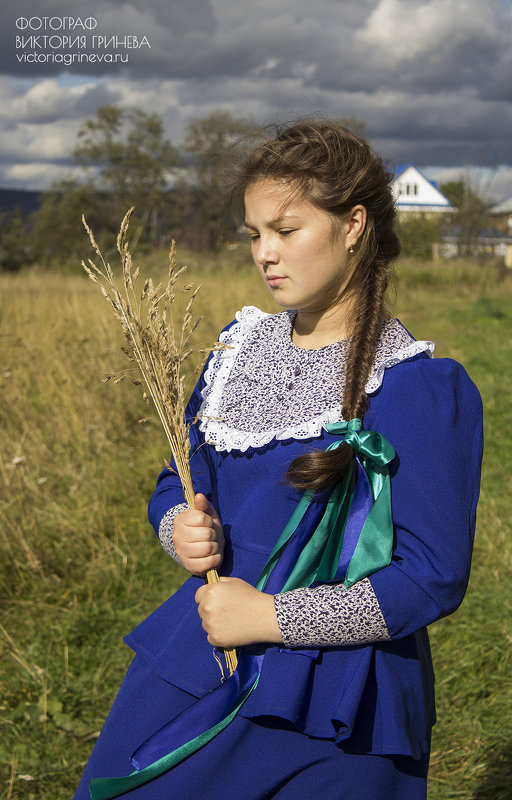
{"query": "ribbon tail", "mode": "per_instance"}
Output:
(292, 525)
(319, 559)
(375, 544)
(109, 788)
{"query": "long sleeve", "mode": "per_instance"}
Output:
(436, 430)
(432, 414)
(435, 489)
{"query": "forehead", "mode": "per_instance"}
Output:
(275, 199)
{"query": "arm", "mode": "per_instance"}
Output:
(431, 412)
(435, 493)
(435, 425)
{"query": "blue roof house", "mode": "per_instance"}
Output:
(414, 192)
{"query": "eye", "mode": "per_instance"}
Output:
(286, 231)
(253, 237)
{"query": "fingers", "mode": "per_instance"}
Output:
(201, 548)
(233, 613)
(198, 537)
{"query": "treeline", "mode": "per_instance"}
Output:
(470, 217)
(181, 191)
(127, 161)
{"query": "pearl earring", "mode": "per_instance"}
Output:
(351, 251)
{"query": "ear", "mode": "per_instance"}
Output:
(355, 225)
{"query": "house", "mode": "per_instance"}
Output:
(502, 215)
(414, 192)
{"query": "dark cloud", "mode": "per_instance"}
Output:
(431, 78)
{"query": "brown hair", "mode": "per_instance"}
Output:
(335, 170)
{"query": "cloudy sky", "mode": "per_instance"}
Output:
(432, 79)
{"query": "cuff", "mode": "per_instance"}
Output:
(166, 528)
(330, 616)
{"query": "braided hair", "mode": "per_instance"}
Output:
(335, 169)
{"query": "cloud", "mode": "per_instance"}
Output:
(431, 78)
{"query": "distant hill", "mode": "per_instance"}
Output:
(26, 200)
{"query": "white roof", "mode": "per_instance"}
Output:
(415, 192)
(505, 207)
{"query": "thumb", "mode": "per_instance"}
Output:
(202, 504)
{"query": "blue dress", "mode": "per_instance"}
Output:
(337, 722)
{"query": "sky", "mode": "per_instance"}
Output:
(431, 79)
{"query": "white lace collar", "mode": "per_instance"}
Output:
(263, 387)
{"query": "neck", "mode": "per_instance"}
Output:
(313, 329)
(317, 328)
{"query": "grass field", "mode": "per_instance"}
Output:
(80, 566)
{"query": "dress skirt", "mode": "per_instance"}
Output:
(249, 760)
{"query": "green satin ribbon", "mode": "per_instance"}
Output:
(318, 561)
(108, 788)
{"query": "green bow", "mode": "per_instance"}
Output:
(318, 561)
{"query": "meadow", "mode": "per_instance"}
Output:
(80, 566)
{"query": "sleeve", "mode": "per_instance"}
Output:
(431, 412)
(435, 425)
(330, 616)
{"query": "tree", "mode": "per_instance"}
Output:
(14, 250)
(471, 215)
(354, 124)
(57, 231)
(210, 142)
(419, 232)
(130, 161)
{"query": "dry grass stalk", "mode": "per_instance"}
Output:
(157, 346)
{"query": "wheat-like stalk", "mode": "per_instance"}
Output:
(158, 348)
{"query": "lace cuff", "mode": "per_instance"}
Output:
(166, 528)
(330, 615)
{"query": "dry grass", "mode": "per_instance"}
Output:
(79, 566)
(160, 344)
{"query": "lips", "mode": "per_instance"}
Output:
(275, 280)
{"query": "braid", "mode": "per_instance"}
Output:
(336, 170)
(360, 357)
(318, 469)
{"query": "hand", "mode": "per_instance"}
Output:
(234, 613)
(198, 537)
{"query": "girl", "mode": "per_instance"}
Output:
(328, 422)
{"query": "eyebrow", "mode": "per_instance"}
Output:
(274, 223)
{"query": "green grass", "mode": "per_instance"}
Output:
(80, 567)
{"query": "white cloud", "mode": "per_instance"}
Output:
(400, 31)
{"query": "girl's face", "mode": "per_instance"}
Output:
(303, 262)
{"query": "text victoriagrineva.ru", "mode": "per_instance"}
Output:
(72, 58)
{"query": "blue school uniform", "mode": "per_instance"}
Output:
(349, 720)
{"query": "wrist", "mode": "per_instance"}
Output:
(268, 628)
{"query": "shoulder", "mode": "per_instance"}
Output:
(395, 345)
(423, 378)
(428, 400)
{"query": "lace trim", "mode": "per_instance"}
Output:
(165, 530)
(263, 387)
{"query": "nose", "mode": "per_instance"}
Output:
(265, 253)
